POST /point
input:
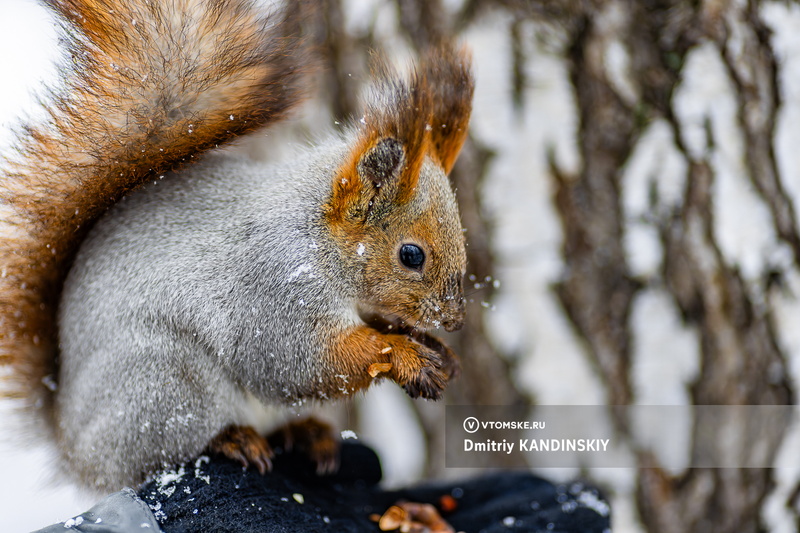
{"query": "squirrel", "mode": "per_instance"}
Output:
(149, 320)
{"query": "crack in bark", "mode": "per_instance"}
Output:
(596, 289)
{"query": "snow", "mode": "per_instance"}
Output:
(73, 522)
(167, 481)
(299, 271)
(198, 472)
(591, 501)
(349, 434)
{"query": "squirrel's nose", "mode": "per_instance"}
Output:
(455, 307)
(453, 323)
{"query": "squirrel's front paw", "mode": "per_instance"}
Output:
(430, 377)
(433, 366)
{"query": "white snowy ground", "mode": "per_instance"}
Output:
(527, 319)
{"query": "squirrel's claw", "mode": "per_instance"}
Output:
(429, 384)
(326, 455)
(244, 445)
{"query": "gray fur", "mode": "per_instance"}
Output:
(190, 295)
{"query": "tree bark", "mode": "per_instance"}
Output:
(742, 357)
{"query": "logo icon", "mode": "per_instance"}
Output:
(471, 424)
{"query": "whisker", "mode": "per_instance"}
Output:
(475, 291)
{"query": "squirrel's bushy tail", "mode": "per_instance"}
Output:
(149, 85)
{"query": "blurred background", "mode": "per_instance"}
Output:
(630, 190)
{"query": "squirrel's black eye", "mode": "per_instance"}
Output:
(412, 256)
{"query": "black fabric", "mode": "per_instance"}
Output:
(217, 495)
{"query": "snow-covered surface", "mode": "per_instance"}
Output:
(527, 320)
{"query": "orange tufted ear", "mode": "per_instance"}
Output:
(449, 79)
(406, 119)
